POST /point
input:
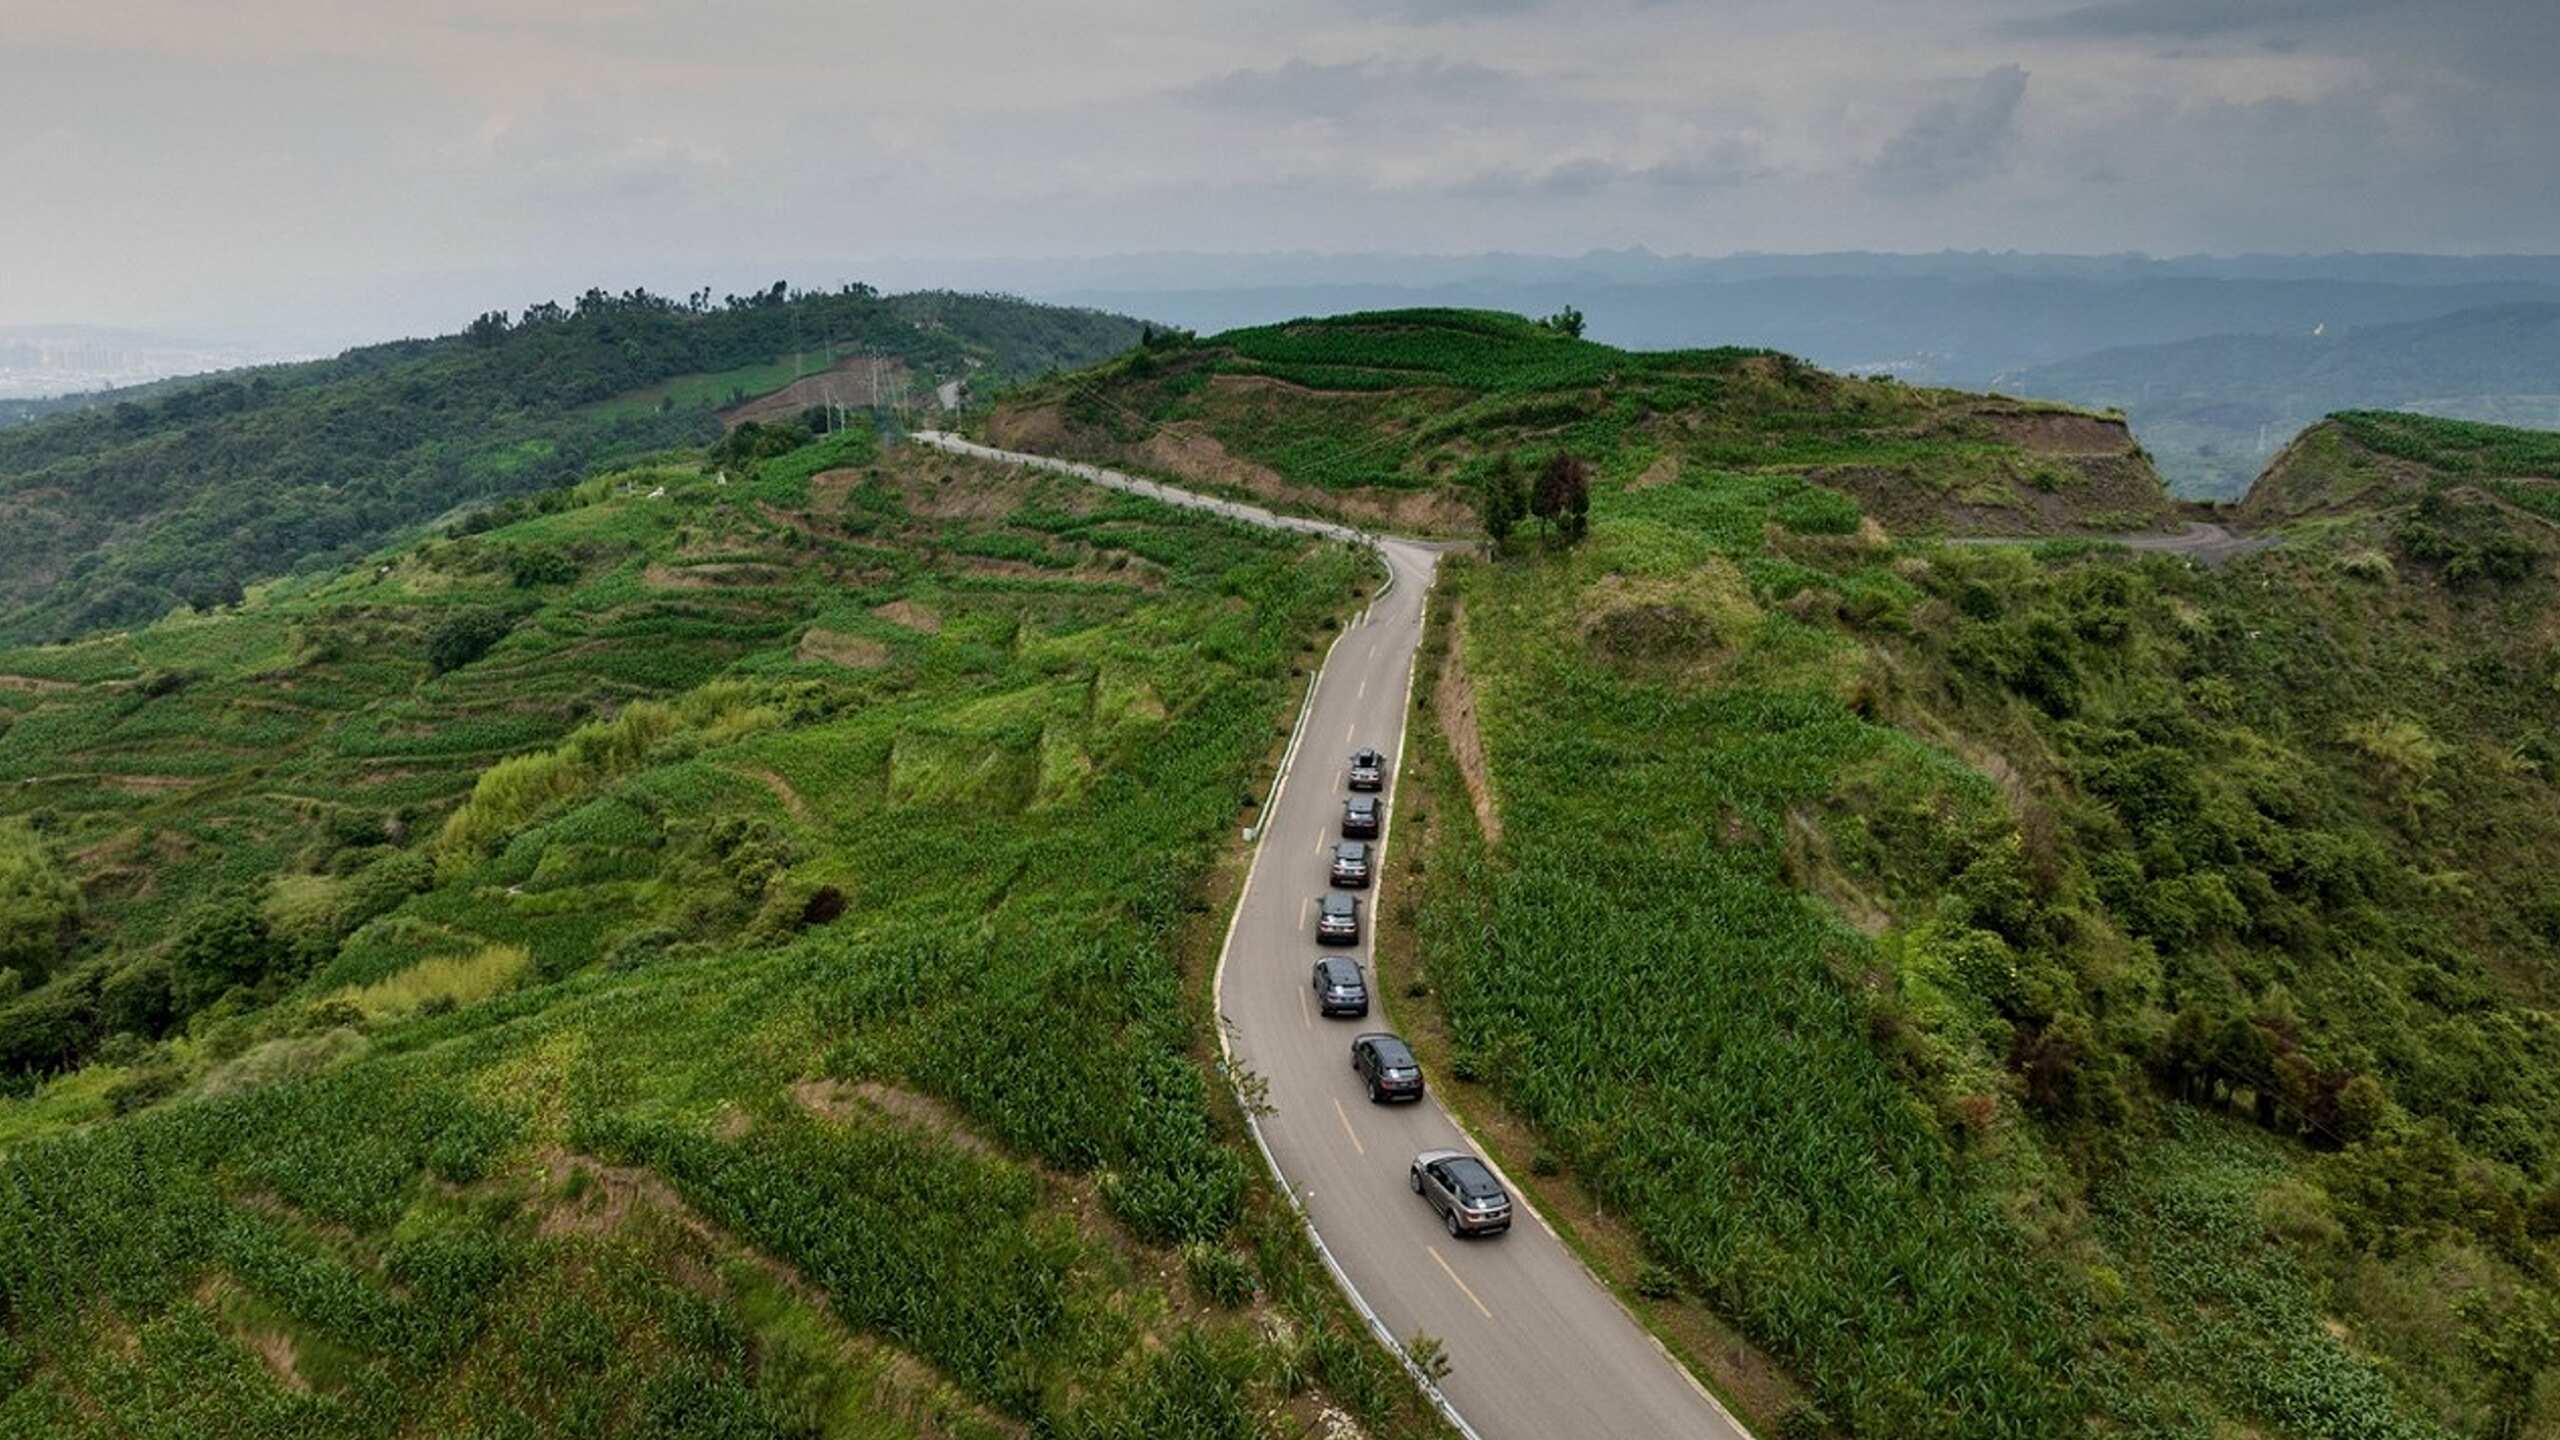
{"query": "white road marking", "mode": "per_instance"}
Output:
(1350, 730)
(1363, 692)
(1306, 1016)
(1346, 1127)
(1461, 1284)
(1306, 911)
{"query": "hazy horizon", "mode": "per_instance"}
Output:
(177, 167)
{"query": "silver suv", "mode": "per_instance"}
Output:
(1338, 919)
(1462, 1188)
(1368, 770)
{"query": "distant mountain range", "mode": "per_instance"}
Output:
(2214, 409)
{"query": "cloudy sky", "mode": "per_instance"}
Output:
(169, 161)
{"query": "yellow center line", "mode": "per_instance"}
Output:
(1346, 1126)
(1453, 1278)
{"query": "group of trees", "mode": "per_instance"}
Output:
(1559, 499)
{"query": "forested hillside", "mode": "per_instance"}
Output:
(715, 950)
(2032, 991)
(187, 492)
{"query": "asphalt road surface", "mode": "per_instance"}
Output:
(1537, 1349)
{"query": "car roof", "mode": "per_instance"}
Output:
(1336, 900)
(1361, 802)
(1474, 1177)
(1389, 1046)
(1434, 1157)
(1351, 847)
(1335, 964)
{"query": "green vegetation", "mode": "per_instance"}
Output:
(2457, 447)
(746, 994)
(187, 492)
(1412, 417)
(2039, 992)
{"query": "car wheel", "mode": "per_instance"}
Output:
(1414, 1179)
(1451, 1219)
(1373, 1092)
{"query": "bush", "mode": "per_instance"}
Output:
(143, 1087)
(39, 904)
(1653, 1282)
(465, 637)
(221, 943)
(534, 565)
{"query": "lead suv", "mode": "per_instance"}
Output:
(1340, 987)
(1368, 770)
(1462, 1188)
(1338, 918)
(1351, 864)
(1386, 1065)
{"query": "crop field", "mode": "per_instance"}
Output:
(701, 956)
(2028, 993)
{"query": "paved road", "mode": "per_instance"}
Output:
(1537, 1348)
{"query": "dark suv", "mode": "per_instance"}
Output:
(1338, 918)
(1463, 1190)
(1360, 818)
(1386, 1065)
(1368, 770)
(1351, 864)
(1340, 987)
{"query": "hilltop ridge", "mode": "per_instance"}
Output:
(1395, 418)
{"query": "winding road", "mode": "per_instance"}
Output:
(1538, 1349)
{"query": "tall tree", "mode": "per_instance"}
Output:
(1562, 500)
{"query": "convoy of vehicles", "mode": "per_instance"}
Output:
(1460, 1188)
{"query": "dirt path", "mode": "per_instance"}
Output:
(2210, 545)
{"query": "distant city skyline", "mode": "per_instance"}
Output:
(172, 165)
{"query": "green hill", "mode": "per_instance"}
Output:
(1398, 417)
(715, 950)
(185, 492)
(2028, 991)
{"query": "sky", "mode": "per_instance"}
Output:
(337, 164)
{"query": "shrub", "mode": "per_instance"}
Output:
(446, 982)
(529, 566)
(143, 1087)
(221, 943)
(1653, 1282)
(465, 637)
(39, 903)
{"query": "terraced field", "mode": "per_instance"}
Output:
(706, 956)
